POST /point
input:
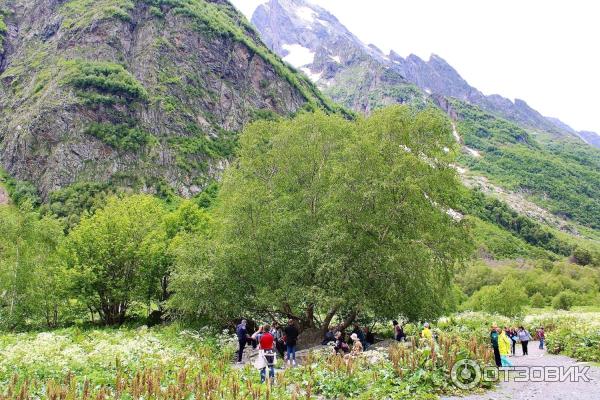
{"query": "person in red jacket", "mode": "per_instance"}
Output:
(267, 352)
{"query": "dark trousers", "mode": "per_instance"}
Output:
(524, 346)
(242, 344)
(513, 346)
(497, 357)
(280, 346)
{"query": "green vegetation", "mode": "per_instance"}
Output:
(121, 136)
(30, 287)
(544, 282)
(508, 298)
(561, 176)
(201, 144)
(350, 85)
(575, 337)
(3, 30)
(171, 363)
(306, 208)
(79, 14)
(70, 203)
(104, 82)
(494, 211)
(19, 191)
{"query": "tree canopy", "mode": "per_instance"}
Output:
(322, 217)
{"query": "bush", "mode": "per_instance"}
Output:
(121, 136)
(104, 78)
(508, 298)
(537, 300)
(582, 256)
(563, 300)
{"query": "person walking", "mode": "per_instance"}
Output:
(398, 331)
(242, 335)
(504, 347)
(266, 354)
(512, 335)
(542, 337)
(524, 337)
(277, 333)
(495, 345)
(291, 339)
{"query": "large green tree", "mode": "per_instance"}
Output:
(323, 218)
(118, 255)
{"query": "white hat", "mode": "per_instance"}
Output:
(354, 337)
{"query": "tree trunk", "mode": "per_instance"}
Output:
(348, 321)
(328, 318)
(309, 321)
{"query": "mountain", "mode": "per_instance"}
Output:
(355, 75)
(144, 94)
(361, 76)
(590, 137)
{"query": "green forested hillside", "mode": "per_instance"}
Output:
(560, 175)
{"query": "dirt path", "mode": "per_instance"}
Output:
(543, 390)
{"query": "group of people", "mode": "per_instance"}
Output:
(400, 336)
(269, 339)
(361, 340)
(504, 342)
(272, 339)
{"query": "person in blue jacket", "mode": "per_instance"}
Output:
(242, 335)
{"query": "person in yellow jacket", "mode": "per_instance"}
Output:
(426, 332)
(504, 346)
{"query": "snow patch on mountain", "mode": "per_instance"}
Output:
(298, 55)
(306, 14)
(337, 59)
(312, 75)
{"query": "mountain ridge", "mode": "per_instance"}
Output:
(281, 24)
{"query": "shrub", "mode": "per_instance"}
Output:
(121, 136)
(564, 300)
(508, 298)
(582, 256)
(537, 300)
(104, 79)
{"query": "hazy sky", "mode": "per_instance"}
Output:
(546, 52)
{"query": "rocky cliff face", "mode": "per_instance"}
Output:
(362, 77)
(136, 93)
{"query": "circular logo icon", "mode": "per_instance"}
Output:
(466, 374)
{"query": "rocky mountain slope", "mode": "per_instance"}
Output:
(362, 77)
(142, 93)
(313, 40)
